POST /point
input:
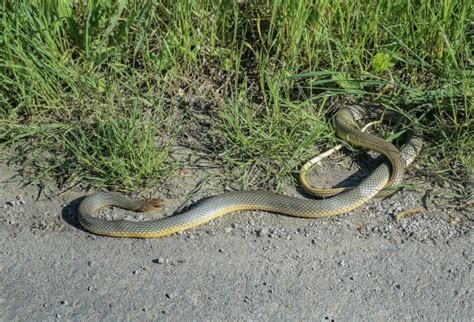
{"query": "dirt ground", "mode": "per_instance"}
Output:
(248, 266)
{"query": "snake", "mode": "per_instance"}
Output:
(347, 123)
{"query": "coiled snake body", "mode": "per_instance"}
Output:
(346, 123)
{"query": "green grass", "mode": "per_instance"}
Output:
(123, 153)
(98, 91)
(268, 141)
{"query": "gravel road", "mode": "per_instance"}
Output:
(245, 266)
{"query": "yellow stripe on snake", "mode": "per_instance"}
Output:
(347, 122)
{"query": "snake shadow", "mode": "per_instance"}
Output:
(366, 164)
(69, 213)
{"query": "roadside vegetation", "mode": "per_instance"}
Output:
(100, 92)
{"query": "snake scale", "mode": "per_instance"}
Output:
(347, 121)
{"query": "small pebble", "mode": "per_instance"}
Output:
(21, 200)
(64, 302)
(159, 260)
(261, 232)
(135, 272)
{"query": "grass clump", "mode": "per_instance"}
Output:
(264, 145)
(119, 152)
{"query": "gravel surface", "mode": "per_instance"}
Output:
(250, 265)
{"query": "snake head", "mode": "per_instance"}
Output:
(152, 204)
